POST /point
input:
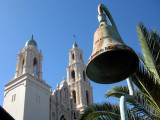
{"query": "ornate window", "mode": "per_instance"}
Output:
(87, 97)
(35, 66)
(84, 75)
(74, 95)
(73, 74)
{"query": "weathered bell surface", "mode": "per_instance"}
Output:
(111, 60)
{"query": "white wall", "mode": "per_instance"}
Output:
(15, 108)
(37, 102)
(32, 101)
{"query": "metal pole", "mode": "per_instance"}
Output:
(130, 86)
(123, 108)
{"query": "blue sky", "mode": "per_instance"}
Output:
(53, 24)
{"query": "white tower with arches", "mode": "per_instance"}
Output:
(78, 82)
(27, 96)
(30, 60)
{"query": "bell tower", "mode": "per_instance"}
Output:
(27, 96)
(30, 60)
(78, 82)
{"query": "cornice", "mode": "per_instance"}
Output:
(25, 76)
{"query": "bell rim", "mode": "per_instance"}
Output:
(91, 59)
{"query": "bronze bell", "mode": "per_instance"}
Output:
(111, 60)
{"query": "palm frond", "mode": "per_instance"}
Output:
(141, 105)
(147, 85)
(138, 103)
(98, 111)
(142, 63)
(155, 46)
(143, 37)
(106, 111)
(117, 91)
(102, 115)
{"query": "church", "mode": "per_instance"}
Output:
(28, 97)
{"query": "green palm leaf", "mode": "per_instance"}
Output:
(143, 37)
(117, 91)
(145, 82)
(100, 111)
(139, 104)
(106, 111)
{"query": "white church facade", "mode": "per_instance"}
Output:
(28, 97)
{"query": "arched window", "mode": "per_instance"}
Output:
(87, 97)
(84, 75)
(62, 117)
(35, 66)
(73, 56)
(22, 65)
(74, 95)
(73, 74)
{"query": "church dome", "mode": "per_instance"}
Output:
(31, 42)
(75, 45)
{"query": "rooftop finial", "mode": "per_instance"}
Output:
(75, 44)
(74, 36)
(32, 37)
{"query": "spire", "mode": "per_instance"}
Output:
(32, 37)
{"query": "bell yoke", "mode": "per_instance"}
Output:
(111, 60)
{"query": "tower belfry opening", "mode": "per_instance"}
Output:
(22, 65)
(73, 56)
(87, 98)
(84, 76)
(73, 75)
(35, 66)
(74, 95)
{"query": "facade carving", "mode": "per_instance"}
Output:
(28, 97)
